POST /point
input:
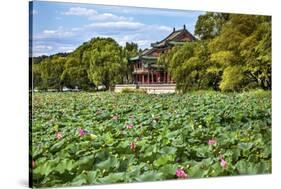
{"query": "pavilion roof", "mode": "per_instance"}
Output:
(173, 37)
(176, 42)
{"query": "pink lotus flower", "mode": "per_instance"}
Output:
(59, 135)
(130, 126)
(133, 146)
(212, 141)
(82, 132)
(180, 173)
(223, 163)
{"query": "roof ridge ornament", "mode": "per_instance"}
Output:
(184, 27)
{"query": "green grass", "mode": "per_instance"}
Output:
(169, 131)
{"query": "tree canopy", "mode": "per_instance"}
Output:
(234, 54)
(209, 25)
(100, 61)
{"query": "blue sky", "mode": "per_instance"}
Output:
(62, 27)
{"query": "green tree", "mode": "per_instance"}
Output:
(234, 54)
(188, 65)
(209, 25)
(75, 74)
(37, 81)
(232, 78)
(245, 43)
(105, 62)
(129, 50)
(51, 71)
(256, 51)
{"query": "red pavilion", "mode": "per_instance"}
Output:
(146, 69)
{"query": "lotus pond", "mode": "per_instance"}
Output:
(84, 138)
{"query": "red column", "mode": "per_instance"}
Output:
(148, 78)
(142, 78)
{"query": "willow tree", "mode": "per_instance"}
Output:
(51, 70)
(187, 65)
(128, 51)
(105, 62)
(75, 74)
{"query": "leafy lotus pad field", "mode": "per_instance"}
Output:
(96, 138)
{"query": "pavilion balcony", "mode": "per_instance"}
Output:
(140, 70)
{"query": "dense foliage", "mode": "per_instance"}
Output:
(210, 24)
(234, 54)
(93, 138)
(100, 61)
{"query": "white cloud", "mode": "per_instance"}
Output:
(79, 11)
(164, 28)
(143, 43)
(66, 48)
(49, 31)
(76, 29)
(59, 32)
(154, 11)
(116, 25)
(126, 26)
(109, 16)
(122, 29)
(39, 50)
(92, 14)
(131, 38)
(48, 48)
(43, 47)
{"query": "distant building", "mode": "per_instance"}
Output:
(146, 69)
